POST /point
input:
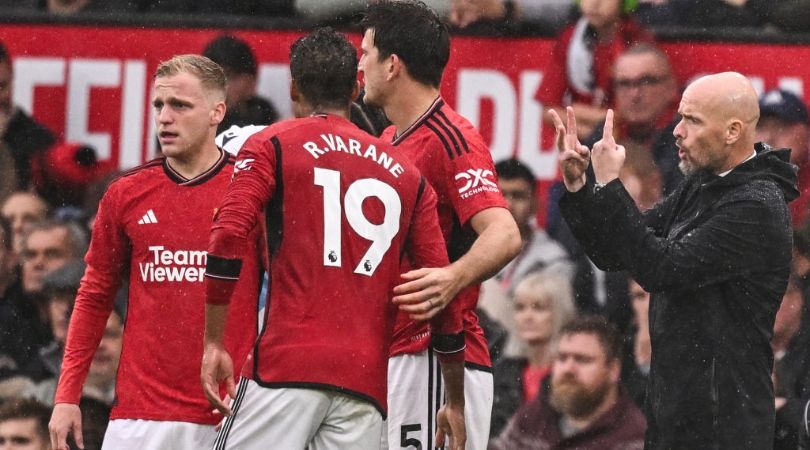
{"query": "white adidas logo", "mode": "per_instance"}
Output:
(149, 217)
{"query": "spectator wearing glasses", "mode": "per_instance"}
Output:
(646, 94)
(583, 58)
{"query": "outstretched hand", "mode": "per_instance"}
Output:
(574, 157)
(608, 157)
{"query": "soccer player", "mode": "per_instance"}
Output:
(152, 227)
(404, 51)
(342, 209)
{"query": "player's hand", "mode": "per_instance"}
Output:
(450, 423)
(217, 367)
(608, 157)
(426, 291)
(66, 419)
(574, 157)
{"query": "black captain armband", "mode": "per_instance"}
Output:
(448, 343)
(222, 268)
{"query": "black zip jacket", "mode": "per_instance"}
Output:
(716, 257)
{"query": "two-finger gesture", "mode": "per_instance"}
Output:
(574, 157)
(608, 156)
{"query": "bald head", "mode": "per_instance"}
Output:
(718, 127)
(729, 95)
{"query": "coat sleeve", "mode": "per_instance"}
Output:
(741, 236)
(586, 223)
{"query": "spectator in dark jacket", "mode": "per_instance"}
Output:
(715, 255)
(20, 135)
(239, 63)
(583, 408)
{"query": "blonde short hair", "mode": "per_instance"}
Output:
(210, 74)
(557, 289)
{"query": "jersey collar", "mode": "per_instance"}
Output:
(199, 179)
(435, 106)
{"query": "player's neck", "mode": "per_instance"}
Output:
(409, 104)
(194, 165)
(303, 109)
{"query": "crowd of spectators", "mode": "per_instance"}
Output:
(546, 16)
(544, 313)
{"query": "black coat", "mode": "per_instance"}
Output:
(715, 255)
(26, 138)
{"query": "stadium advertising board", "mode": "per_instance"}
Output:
(92, 84)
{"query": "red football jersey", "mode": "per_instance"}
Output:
(152, 227)
(342, 208)
(457, 163)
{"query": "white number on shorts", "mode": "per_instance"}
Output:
(380, 235)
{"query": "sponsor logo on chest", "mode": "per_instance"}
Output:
(167, 266)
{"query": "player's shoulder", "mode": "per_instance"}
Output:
(138, 173)
(446, 130)
(232, 139)
(236, 137)
(138, 177)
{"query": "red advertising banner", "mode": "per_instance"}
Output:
(92, 84)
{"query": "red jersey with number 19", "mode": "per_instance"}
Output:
(152, 227)
(342, 209)
(457, 163)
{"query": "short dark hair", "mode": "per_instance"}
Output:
(323, 65)
(233, 54)
(6, 237)
(413, 32)
(510, 169)
(642, 48)
(27, 408)
(4, 56)
(598, 326)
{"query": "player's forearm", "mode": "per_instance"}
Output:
(221, 275)
(497, 243)
(215, 319)
(453, 374)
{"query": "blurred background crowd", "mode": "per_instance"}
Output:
(534, 311)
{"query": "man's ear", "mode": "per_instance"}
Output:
(615, 370)
(218, 112)
(356, 91)
(733, 131)
(395, 67)
(295, 95)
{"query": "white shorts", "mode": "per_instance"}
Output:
(138, 434)
(415, 393)
(290, 418)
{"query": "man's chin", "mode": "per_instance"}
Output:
(686, 167)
